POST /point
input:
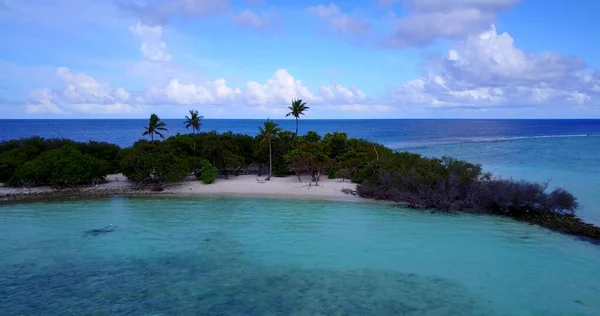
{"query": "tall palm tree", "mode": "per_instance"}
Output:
(194, 120)
(298, 107)
(154, 127)
(267, 133)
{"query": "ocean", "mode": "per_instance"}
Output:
(226, 256)
(397, 134)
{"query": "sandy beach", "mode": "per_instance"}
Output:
(240, 186)
(284, 187)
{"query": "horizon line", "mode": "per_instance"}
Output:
(305, 119)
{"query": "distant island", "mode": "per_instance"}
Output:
(68, 168)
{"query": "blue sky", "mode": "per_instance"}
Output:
(346, 59)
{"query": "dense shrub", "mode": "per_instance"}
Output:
(452, 185)
(103, 151)
(209, 174)
(154, 163)
(196, 164)
(16, 153)
(307, 158)
(332, 171)
(203, 170)
(516, 198)
(343, 174)
(62, 167)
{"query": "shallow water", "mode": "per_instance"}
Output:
(217, 256)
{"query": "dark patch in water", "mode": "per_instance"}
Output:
(593, 241)
(100, 231)
(219, 282)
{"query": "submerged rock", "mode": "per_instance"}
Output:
(99, 231)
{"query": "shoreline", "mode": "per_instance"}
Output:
(247, 186)
(241, 186)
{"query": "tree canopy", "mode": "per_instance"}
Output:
(155, 126)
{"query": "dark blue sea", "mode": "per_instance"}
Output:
(245, 256)
(393, 133)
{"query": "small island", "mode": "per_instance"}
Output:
(276, 163)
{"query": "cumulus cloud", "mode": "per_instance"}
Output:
(81, 93)
(488, 70)
(161, 12)
(275, 93)
(153, 15)
(428, 20)
(42, 101)
(342, 22)
(253, 20)
(152, 48)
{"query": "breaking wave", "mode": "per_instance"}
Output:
(423, 144)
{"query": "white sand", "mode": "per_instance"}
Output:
(243, 186)
(115, 181)
(286, 187)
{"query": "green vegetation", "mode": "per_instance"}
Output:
(155, 126)
(56, 162)
(439, 184)
(298, 107)
(267, 133)
(193, 121)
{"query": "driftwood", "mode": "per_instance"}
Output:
(348, 191)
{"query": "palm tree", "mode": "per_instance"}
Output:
(154, 127)
(298, 107)
(194, 120)
(268, 133)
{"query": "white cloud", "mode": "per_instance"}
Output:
(42, 101)
(492, 58)
(160, 13)
(82, 94)
(488, 70)
(428, 20)
(272, 96)
(153, 48)
(445, 5)
(342, 22)
(253, 20)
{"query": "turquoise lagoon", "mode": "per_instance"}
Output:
(231, 256)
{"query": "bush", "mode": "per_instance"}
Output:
(516, 198)
(62, 167)
(103, 151)
(343, 174)
(332, 172)
(452, 185)
(209, 174)
(154, 163)
(196, 165)
(10, 160)
(203, 170)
